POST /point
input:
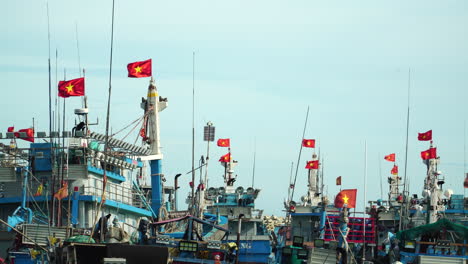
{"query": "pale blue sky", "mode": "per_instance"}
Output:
(259, 64)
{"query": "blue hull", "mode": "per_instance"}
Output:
(254, 251)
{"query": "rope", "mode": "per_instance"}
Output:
(128, 126)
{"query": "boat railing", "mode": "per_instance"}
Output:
(116, 192)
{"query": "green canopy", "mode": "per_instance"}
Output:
(411, 234)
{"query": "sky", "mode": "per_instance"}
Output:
(255, 67)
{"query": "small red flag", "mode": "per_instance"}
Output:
(312, 164)
(394, 170)
(346, 197)
(62, 192)
(139, 69)
(390, 157)
(338, 180)
(225, 158)
(308, 143)
(11, 129)
(75, 87)
(224, 142)
(429, 154)
(426, 136)
(465, 183)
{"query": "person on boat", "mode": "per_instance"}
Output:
(100, 230)
(342, 247)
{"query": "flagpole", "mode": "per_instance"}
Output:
(299, 157)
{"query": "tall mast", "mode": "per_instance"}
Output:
(403, 211)
(299, 156)
(193, 131)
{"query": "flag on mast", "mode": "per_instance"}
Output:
(347, 197)
(308, 143)
(312, 164)
(225, 158)
(426, 136)
(75, 87)
(224, 142)
(338, 180)
(390, 157)
(429, 154)
(139, 69)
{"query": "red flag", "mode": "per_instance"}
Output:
(29, 134)
(426, 136)
(346, 197)
(224, 142)
(308, 143)
(465, 183)
(429, 154)
(75, 87)
(394, 170)
(312, 164)
(338, 180)
(390, 157)
(11, 129)
(62, 192)
(139, 69)
(225, 158)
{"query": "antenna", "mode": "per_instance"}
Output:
(78, 48)
(380, 176)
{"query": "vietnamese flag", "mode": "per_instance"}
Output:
(347, 197)
(426, 136)
(429, 154)
(139, 69)
(11, 129)
(338, 180)
(312, 164)
(308, 143)
(75, 87)
(225, 158)
(390, 157)
(394, 170)
(224, 142)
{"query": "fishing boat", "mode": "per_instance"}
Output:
(245, 222)
(55, 194)
(420, 230)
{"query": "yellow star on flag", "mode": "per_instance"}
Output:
(138, 69)
(345, 199)
(69, 88)
(308, 143)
